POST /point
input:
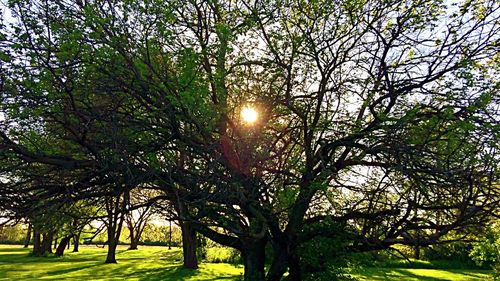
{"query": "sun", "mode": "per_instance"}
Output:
(249, 115)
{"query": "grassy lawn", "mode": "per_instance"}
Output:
(422, 270)
(147, 263)
(411, 274)
(159, 263)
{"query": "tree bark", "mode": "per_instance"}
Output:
(134, 241)
(55, 243)
(76, 242)
(253, 255)
(278, 265)
(189, 245)
(62, 246)
(47, 242)
(112, 244)
(133, 244)
(111, 228)
(28, 236)
(188, 236)
(37, 245)
(111, 258)
(294, 268)
(115, 210)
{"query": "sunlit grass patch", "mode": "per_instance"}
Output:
(158, 263)
(147, 263)
(411, 274)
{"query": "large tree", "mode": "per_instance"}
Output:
(378, 120)
(381, 116)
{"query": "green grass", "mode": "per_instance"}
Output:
(159, 263)
(147, 263)
(422, 264)
(411, 274)
(440, 270)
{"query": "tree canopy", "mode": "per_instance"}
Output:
(377, 123)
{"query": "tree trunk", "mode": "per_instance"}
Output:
(115, 210)
(253, 255)
(55, 243)
(133, 244)
(188, 237)
(111, 256)
(37, 245)
(294, 268)
(133, 239)
(113, 239)
(417, 252)
(278, 265)
(28, 236)
(189, 245)
(76, 242)
(47, 242)
(170, 235)
(112, 243)
(62, 246)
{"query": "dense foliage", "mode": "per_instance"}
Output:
(378, 123)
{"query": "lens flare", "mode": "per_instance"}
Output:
(249, 115)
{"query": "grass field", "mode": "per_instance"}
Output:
(159, 263)
(412, 274)
(147, 263)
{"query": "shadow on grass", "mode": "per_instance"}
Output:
(25, 257)
(377, 274)
(15, 250)
(422, 264)
(176, 273)
(70, 270)
(147, 264)
(475, 274)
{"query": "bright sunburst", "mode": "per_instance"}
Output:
(249, 115)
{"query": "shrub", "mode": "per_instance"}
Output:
(332, 273)
(12, 234)
(222, 255)
(457, 251)
(487, 252)
(326, 258)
